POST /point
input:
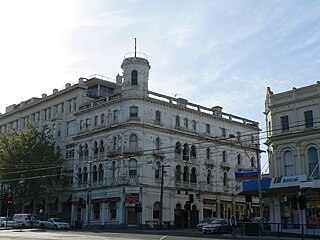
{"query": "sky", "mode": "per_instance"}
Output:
(211, 52)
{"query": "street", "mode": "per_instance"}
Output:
(36, 234)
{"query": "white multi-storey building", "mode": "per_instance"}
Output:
(127, 146)
(293, 133)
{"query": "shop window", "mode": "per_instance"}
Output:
(113, 210)
(96, 211)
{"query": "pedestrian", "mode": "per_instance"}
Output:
(233, 225)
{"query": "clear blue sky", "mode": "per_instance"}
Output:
(208, 51)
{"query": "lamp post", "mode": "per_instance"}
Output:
(258, 151)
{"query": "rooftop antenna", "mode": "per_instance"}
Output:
(135, 47)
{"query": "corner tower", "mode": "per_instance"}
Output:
(135, 68)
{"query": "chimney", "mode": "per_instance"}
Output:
(68, 85)
(55, 91)
(119, 79)
(44, 95)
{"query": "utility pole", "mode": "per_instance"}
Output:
(161, 194)
(261, 219)
(89, 195)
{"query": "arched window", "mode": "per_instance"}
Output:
(178, 148)
(178, 173)
(94, 174)
(86, 150)
(113, 169)
(208, 153)
(193, 152)
(186, 174)
(185, 154)
(79, 176)
(95, 148)
(156, 210)
(114, 143)
(224, 156)
(85, 175)
(239, 159)
(157, 143)
(193, 176)
(133, 164)
(312, 159)
(209, 176)
(81, 151)
(225, 179)
(100, 173)
(157, 171)
(253, 164)
(134, 77)
(133, 141)
(101, 147)
(288, 163)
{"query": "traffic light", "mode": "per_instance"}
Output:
(138, 207)
(302, 202)
(191, 198)
(10, 201)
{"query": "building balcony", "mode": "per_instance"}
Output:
(158, 153)
(132, 150)
(225, 165)
(209, 162)
(114, 152)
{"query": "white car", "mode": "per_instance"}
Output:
(7, 222)
(217, 226)
(201, 224)
(54, 223)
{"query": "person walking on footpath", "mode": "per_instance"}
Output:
(233, 225)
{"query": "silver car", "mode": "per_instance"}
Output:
(217, 226)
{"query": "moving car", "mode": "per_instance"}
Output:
(7, 222)
(217, 226)
(201, 224)
(54, 223)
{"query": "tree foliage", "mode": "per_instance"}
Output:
(29, 165)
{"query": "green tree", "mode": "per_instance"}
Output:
(30, 166)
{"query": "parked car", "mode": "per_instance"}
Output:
(7, 222)
(54, 223)
(201, 224)
(217, 226)
(22, 220)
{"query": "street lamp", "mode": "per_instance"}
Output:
(258, 151)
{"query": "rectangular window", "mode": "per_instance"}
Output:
(185, 123)
(133, 112)
(194, 125)
(308, 116)
(158, 116)
(102, 119)
(285, 123)
(178, 121)
(223, 132)
(71, 127)
(96, 119)
(115, 116)
(208, 128)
